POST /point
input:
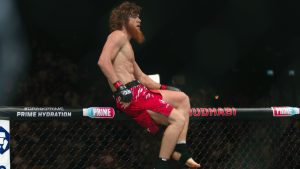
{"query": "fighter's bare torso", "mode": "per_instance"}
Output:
(123, 61)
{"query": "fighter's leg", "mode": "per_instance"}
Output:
(181, 148)
(171, 134)
(181, 102)
(175, 125)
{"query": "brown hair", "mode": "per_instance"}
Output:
(120, 14)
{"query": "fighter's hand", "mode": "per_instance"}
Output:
(165, 87)
(124, 93)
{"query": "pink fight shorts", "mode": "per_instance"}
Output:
(143, 100)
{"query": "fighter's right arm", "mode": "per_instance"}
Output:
(113, 44)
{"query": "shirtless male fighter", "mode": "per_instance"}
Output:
(147, 102)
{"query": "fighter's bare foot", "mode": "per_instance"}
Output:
(190, 162)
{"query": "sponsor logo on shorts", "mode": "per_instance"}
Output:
(213, 112)
(285, 111)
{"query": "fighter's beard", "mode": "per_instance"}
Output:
(136, 34)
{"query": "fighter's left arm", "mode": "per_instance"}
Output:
(144, 79)
(148, 82)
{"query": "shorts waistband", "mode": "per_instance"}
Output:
(128, 86)
(132, 84)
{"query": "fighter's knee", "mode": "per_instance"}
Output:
(178, 119)
(186, 101)
(182, 97)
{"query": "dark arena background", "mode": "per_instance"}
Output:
(221, 53)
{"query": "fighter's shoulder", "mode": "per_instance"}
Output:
(117, 36)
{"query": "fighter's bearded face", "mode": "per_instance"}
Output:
(133, 28)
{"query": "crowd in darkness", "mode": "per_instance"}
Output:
(55, 78)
